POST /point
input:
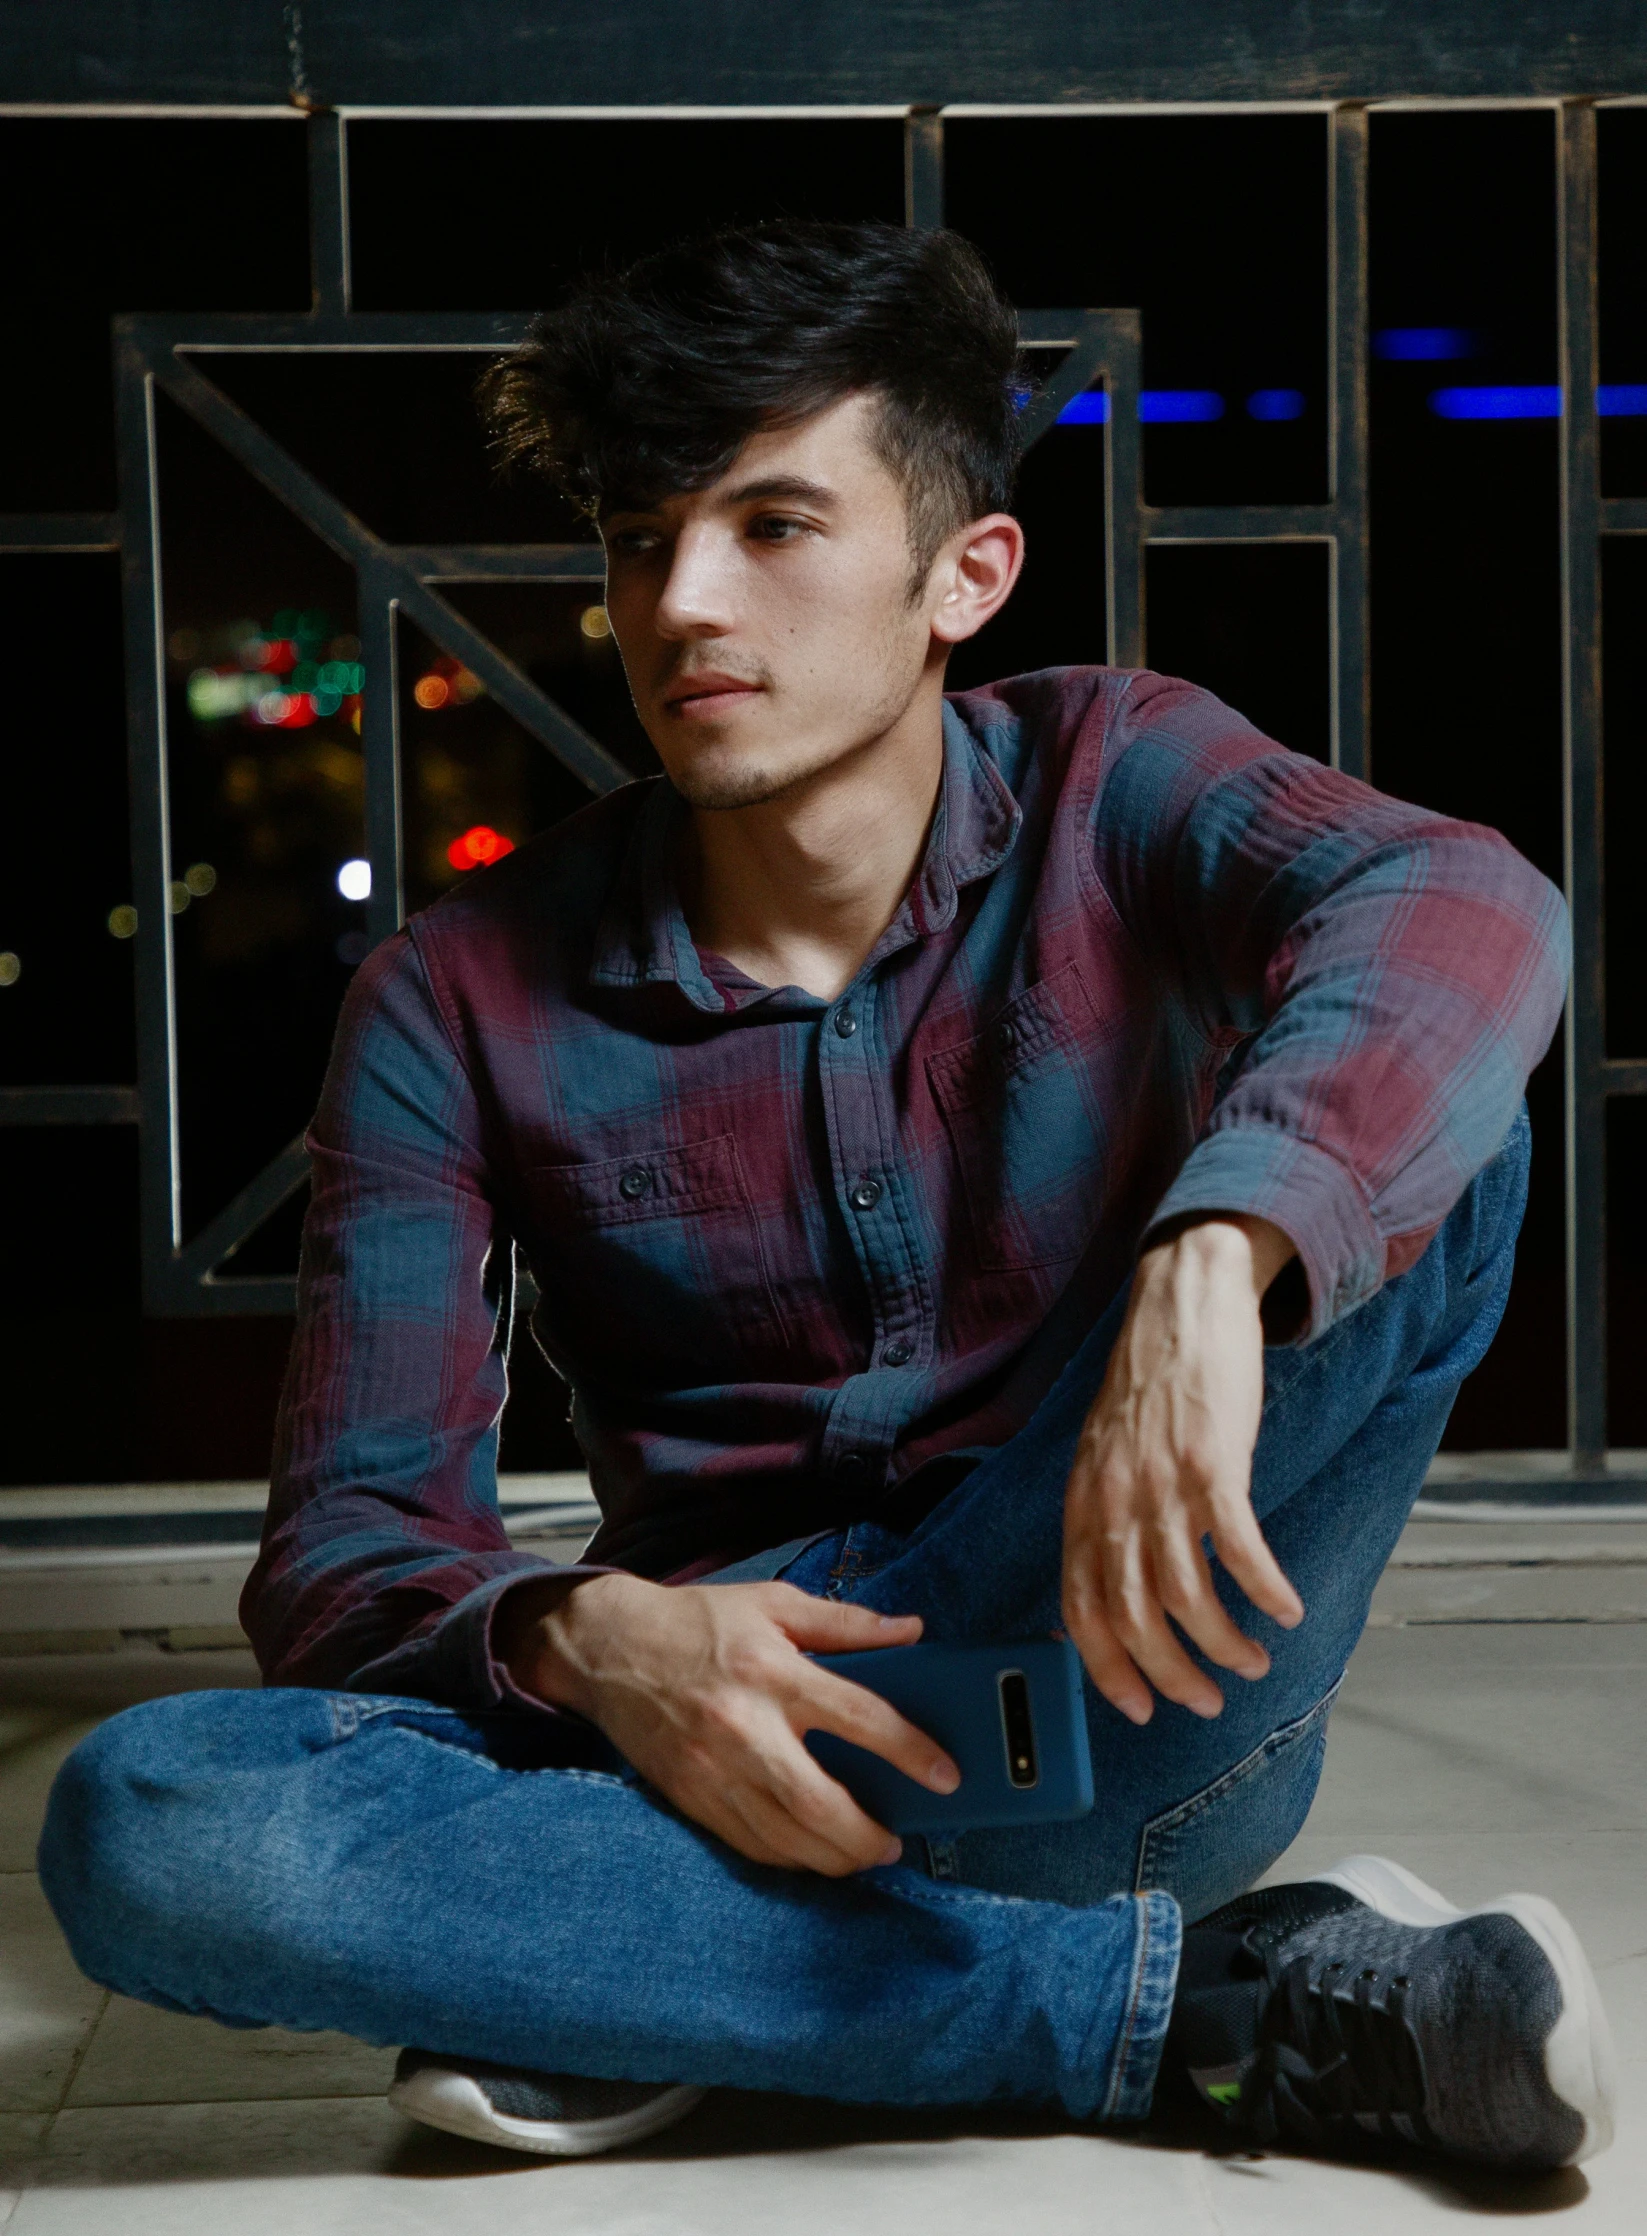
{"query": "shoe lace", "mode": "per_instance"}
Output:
(1337, 2056)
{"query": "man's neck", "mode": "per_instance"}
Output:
(797, 890)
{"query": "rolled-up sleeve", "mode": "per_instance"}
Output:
(384, 1552)
(1380, 981)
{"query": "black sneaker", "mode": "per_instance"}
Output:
(557, 2115)
(1361, 2004)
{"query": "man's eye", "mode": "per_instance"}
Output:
(632, 542)
(774, 527)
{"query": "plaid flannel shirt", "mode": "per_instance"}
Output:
(791, 1252)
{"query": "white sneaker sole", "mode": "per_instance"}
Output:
(442, 2098)
(1578, 2057)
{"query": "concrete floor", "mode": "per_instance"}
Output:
(1493, 1732)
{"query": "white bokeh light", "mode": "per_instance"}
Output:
(354, 880)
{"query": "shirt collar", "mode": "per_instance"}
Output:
(643, 939)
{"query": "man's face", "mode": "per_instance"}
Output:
(765, 622)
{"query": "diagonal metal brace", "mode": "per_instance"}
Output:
(239, 1220)
(353, 541)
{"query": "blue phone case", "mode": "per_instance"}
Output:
(965, 1697)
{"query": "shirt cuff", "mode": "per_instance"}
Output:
(1311, 1195)
(453, 1662)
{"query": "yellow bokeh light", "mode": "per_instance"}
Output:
(594, 622)
(200, 878)
(123, 920)
(11, 967)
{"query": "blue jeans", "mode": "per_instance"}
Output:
(411, 1873)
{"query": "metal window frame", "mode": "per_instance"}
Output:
(186, 1277)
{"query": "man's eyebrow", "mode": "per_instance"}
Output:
(777, 486)
(769, 489)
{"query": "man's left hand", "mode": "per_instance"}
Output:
(1165, 1463)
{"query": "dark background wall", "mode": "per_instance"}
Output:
(124, 213)
(567, 51)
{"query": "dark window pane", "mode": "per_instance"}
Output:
(398, 438)
(67, 1015)
(267, 803)
(496, 217)
(125, 215)
(1624, 792)
(1216, 229)
(1251, 625)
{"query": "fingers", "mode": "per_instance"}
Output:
(1239, 1544)
(796, 1815)
(1187, 1594)
(1132, 1609)
(1120, 1592)
(1107, 1661)
(828, 1702)
(834, 1626)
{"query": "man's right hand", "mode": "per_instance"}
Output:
(707, 1691)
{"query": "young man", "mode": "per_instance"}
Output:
(916, 1114)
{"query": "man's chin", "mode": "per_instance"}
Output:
(719, 778)
(729, 788)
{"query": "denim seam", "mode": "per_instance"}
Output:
(1311, 1355)
(1149, 2006)
(1196, 1805)
(938, 1896)
(366, 1709)
(504, 1770)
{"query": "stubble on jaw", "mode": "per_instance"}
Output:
(740, 785)
(715, 784)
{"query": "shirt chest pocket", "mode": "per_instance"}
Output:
(650, 1266)
(1021, 1109)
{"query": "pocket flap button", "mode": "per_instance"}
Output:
(635, 1183)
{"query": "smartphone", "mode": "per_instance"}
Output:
(1012, 1718)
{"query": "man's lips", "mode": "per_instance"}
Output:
(701, 697)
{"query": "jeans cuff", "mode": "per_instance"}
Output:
(1149, 2007)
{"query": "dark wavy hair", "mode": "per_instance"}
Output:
(647, 382)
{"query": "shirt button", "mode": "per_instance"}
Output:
(846, 1023)
(635, 1183)
(898, 1353)
(865, 1196)
(852, 1467)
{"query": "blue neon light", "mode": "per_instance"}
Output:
(1179, 406)
(1496, 403)
(1156, 407)
(1276, 403)
(1405, 345)
(1200, 406)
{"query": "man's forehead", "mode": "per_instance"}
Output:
(822, 459)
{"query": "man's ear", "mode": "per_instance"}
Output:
(974, 574)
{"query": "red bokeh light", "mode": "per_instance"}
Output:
(478, 846)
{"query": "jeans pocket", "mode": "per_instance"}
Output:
(1215, 1845)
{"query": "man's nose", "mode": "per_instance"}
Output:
(697, 597)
